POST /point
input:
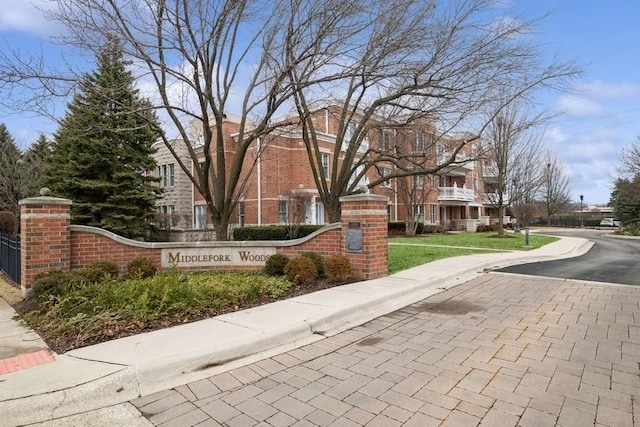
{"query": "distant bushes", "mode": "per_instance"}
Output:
(272, 232)
(398, 228)
(8, 223)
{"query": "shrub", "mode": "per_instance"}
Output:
(275, 264)
(99, 271)
(433, 228)
(53, 283)
(8, 222)
(317, 260)
(141, 267)
(271, 232)
(398, 228)
(301, 270)
(337, 267)
(484, 228)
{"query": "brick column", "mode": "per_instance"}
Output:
(44, 238)
(364, 234)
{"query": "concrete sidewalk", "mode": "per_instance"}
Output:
(115, 372)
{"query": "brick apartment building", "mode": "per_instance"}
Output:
(280, 187)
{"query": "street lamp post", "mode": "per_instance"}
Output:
(581, 215)
(516, 226)
(549, 222)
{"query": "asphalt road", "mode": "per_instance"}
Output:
(613, 260)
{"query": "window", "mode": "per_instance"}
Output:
(282, 212)
(167, 210)
(349, 132)
(172, 175)
(241, 213)
(418, 213)
(200, 217)
(433, 181)
(385, 172)
(418, 142)
(325, 163)
(418, 181)
(362, 181)
(432, 143)
(385, 140)
(433, 214)
(319, 212)
(166, 175)
(441, 154)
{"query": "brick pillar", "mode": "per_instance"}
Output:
(364, 234)
(44, 238)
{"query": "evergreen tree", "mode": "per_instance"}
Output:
(9, 177)
(625, 198)
(33, 166)
(102, 150)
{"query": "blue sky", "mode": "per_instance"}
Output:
(599, 118)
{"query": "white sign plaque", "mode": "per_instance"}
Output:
(212, 257)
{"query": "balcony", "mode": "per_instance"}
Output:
(490, 173)
(456, 194)
(462, 165)
(492, 199)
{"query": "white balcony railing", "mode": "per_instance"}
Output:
(460, 194)
(492, 198)
(490, 171)
(461, 161)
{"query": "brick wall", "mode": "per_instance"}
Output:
(87, 247)
(50, 242)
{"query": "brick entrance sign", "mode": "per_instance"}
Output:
(50, 242)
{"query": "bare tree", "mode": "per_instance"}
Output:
(295, 214)
(200, 60)
(630, 158)
(513, 147)
(555, 187)
(413, 193)
(403, 62)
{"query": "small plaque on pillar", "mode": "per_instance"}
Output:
(354, 237)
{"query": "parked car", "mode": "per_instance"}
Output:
(610, 222)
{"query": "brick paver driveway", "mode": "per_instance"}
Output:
(500, 350)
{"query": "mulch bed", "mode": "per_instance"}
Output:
(121, 328)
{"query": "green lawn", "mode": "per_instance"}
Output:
(489, 240)
(407, 252)
(402, 257)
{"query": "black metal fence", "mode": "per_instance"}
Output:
(10, 256)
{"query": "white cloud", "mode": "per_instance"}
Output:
(577, 106)
(597, 98)
(590, 158)
(609, 91)
(26, 16)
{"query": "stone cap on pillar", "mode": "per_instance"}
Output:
(45, 200)
(363, 198)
